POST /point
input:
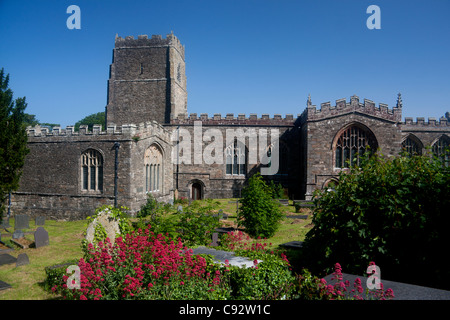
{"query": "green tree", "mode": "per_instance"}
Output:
(13, 139)
(259, 213)
(95, 118)
(31, 120)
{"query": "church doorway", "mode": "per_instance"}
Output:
(196, 192)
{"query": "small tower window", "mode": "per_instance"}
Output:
(141, 69)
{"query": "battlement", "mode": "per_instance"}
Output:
(126, 131)
(145, 41)
(231, 119)
(342, 107)
(432, 122)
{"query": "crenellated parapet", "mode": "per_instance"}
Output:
(230, 119)
(430, 125)
(153, 41)
(126, 131)
(342, 107)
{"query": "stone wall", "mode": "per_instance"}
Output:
(147, 80)
(51, 183)
(320, 129)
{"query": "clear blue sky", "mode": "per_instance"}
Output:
(242, 56)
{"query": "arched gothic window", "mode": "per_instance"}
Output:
(235, 158)
(153, 169)
(411, 146)
(441, 149)
(351, 144)
(92, 170)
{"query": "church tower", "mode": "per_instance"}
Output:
(147, 80)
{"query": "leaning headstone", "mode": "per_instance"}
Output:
(18, 234)
(110, 225)
(21, 222)
(4, 285)
(7, 259)
(22, 260)
(41, 237)
(40, 221)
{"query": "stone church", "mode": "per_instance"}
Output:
(68, 173)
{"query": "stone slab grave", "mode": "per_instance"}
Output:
(284, 202)
(292, 244)
(21, 222)
(220, 256)
(18, 238)
(402, 291)
(303, 216)
(41, 237)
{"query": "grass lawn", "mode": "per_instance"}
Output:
(65, 244)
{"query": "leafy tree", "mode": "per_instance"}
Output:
(393, 211)
(13, 139)
(31, 120)
(259, 213)
(95, 118)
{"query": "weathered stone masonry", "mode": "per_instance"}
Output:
(68, 174)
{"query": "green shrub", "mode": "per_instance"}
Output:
(390, 210)
(259, 213)
(157, 215)
(54, 274)
(277, 190)
(197, 222)
(270, 279)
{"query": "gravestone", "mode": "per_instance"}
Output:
(22, 260)
(292, 244)
(215, 239)
(6, 259)
(180, 209)
(110, 225)
(41, 237)
(4, 285)
(21, 222)
(5, 223)
(40, 221)
(18, 234)
(304, 216)
(171, 202)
